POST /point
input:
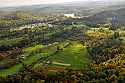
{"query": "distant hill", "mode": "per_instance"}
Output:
(82, 8)
(98, 11)
(106, 16)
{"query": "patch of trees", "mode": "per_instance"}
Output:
(105, 50)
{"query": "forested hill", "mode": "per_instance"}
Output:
(106, 16)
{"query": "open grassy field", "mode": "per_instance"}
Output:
(74, 56)
(71, 55)
(28, 60)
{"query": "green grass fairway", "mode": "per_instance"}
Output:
(10, 71)
(74, 56)
(29, 50)
(29, 60)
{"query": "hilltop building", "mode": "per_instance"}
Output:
(70, 15)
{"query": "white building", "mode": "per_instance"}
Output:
(69, 15)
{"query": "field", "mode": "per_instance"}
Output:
(72, 55)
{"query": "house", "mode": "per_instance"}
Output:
(50, 25)
(69, 15)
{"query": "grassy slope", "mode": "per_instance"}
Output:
(29, 60)
(11, 70)
(74, 56)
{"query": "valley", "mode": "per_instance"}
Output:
(63, 43)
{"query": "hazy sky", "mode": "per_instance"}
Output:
(30, 2)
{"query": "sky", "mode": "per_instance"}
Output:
(6, 3)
